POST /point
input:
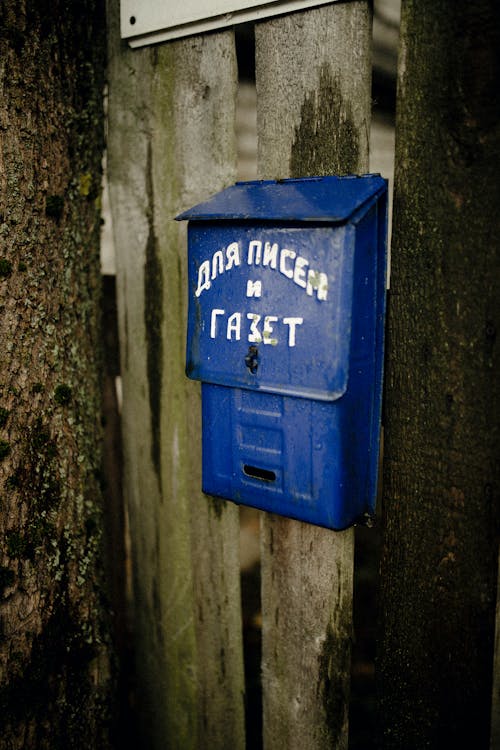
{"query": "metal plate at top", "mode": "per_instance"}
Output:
(151, 21)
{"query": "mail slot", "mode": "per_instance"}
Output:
(285, 331)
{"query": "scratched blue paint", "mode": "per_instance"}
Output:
(285, 331)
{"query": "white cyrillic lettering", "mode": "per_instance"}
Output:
(316, 280)
(312, 281)
(203, 277)
(234, 326)
(232, 255)
(254, 336)
(268, 329)
(283, 256)
(270, 255)
(213, 322)
(254, 288)
(323, 286)
(292, 323)
(217, 264)
(254, 252)
(299, 275)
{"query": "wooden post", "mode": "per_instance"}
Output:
(442, 447)
(313, 100)
(171, 144)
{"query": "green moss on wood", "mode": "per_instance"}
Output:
(334, 681)
(12, 482)
(39, 533)
(85, 185)
(18, 545)
(4, 449)
(7, 578)
(49, 493)
(54, 205)
(62, 394)
(39, 436)
(5, 268)
(326, 140)
(4, 415)
(64, 648)
(153, 313)
(216, 505)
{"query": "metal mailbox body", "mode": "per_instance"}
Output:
(285, 330)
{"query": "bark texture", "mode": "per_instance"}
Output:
(54, 663)
(442, 473)
(313, 113)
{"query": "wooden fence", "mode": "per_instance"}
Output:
(171, 144)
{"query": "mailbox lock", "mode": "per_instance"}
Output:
(252, 359)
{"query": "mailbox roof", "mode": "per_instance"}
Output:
(309, 199)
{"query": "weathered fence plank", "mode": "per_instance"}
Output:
(171, 124)
(442, 474)
(313, 104)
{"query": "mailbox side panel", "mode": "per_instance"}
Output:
(361, 405)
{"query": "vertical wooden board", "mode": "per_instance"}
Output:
(307, 632)
(313, 106)
(171, 144)
(197, 95)
(129, 90)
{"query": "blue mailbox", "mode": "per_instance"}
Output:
(285, 330)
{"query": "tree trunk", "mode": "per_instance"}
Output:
(442, 448)
(54, 662)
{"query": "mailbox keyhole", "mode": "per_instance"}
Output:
(257, 473)
(252, 359)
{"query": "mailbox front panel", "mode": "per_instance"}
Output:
(255, 461)
(270, 307)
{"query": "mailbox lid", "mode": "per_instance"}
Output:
(308, 199)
